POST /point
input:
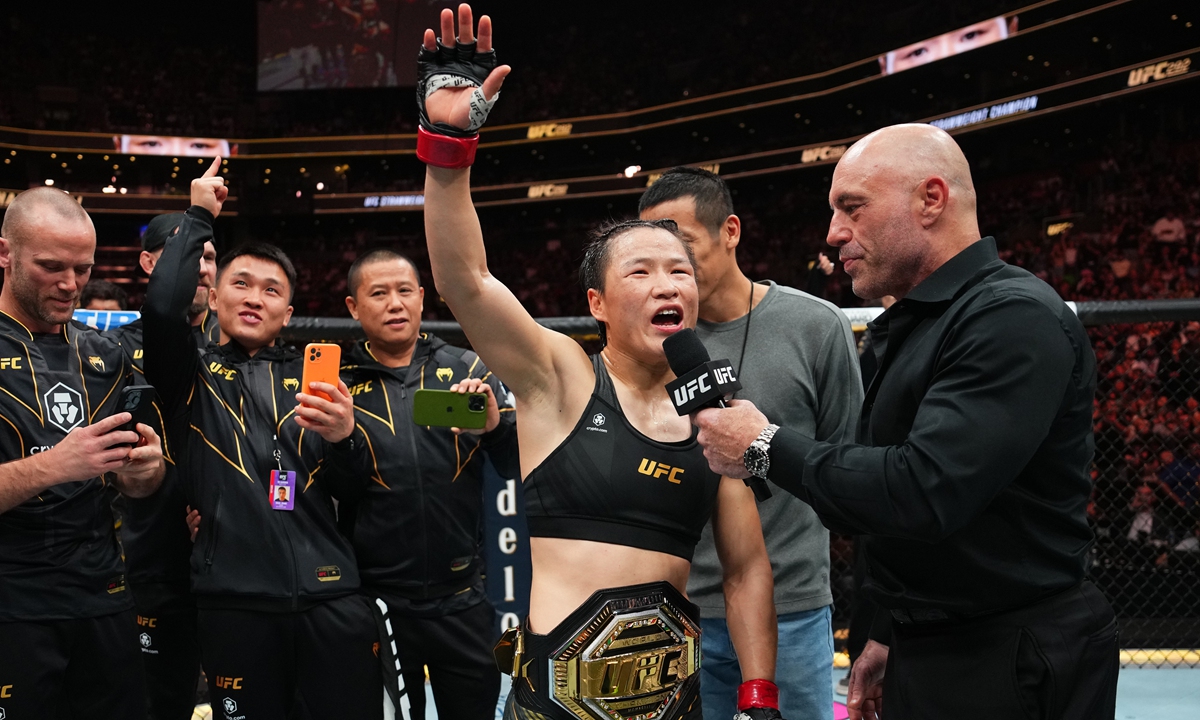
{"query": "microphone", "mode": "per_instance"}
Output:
(699, 382)
(702, 383)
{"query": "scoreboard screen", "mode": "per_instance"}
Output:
(322, 44)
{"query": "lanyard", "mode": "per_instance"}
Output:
(746, 334)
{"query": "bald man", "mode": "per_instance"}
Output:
(969, 479)
(67, 646)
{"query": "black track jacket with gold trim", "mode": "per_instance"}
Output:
(59, 556)
(154, 531)
(416, 520)
(226, 413)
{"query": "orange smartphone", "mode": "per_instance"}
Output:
(322, 361)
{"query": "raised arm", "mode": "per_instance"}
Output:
(529, 358)
(171, 355)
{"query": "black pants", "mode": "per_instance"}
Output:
(1054, 659)
(259, 664)
(457, 649)
(171, 657)
(72, 669)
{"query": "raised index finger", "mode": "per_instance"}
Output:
(212, 169)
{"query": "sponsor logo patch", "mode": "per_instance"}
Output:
(329, 573)
(64, 407)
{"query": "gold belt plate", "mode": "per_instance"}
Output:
(627, 665)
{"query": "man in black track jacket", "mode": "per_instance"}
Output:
(67, 646)
(275, 583)
(416, 519)
(154, 532)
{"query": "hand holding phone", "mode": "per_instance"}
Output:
(138, 401)
(331, 417)
(322, 362)
(445, 408)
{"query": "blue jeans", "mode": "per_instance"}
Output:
(803, 667)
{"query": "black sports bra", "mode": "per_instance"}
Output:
(609, 483)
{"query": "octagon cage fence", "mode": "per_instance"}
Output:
(1145, 504)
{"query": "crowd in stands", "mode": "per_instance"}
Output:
(84, 81)
(199, 77)
(1133, 233)
(1123, 225)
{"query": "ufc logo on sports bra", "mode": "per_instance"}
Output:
(657, 470)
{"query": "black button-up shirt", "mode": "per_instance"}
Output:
(971, 476)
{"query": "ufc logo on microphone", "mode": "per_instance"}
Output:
(684, 394)
(724, 375)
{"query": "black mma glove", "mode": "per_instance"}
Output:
(459, 66)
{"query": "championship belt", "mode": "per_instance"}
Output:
(628, 653)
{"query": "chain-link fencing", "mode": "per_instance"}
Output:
(1145, 505)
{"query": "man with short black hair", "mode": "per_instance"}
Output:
(154, 532)
(275, 583)
(794, 355)
(416, 519)
(103, 295)
(66, 646)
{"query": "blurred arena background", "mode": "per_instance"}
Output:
(1080, 119)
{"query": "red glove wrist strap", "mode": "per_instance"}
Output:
(445, 151)
(758, 694)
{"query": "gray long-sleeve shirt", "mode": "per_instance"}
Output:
(801, 370)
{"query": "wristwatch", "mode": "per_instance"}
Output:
(757, 457)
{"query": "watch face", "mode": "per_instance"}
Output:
(755, 458)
